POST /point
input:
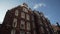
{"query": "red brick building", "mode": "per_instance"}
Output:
(23, 20)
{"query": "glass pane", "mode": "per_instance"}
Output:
(22, 15)
(22, 24)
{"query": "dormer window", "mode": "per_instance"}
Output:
(16, 13)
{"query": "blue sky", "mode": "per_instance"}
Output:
(50, 8)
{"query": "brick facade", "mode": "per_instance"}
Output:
(22, 20)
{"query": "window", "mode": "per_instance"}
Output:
(32, 17)
(47, 29)
(22, 24)
(25, 10)
(14, 22)
(27, 17)
(33, 24)
(40, 22)
(42, 29)
(43, 18)
(22, 15)
(13, 31)
(34, 32)
(46, 25)
(28, 26)
(16, 13)
(28, 33)
(22, 32)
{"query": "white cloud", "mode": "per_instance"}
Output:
(46, 16)
(39, 5)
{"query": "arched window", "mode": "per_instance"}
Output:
(14, 22)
